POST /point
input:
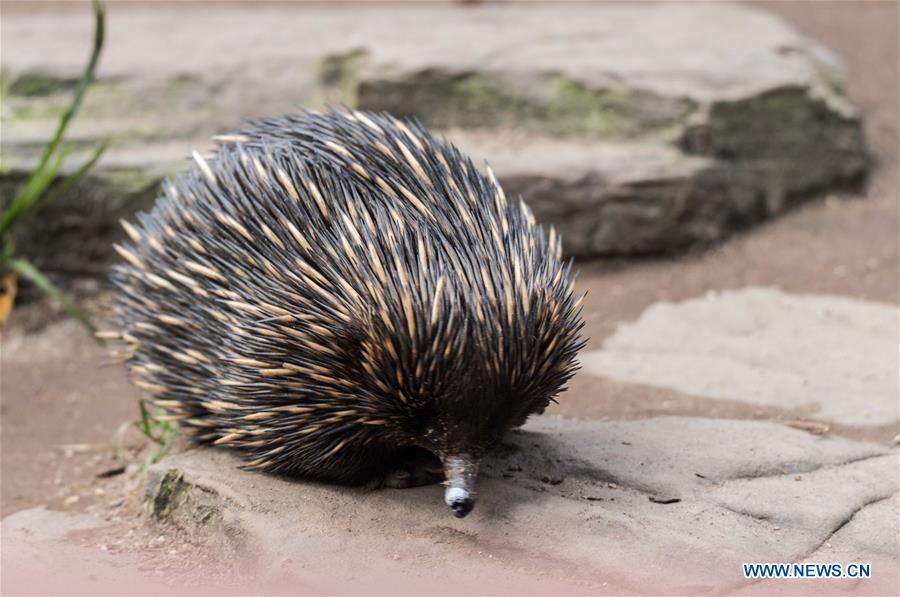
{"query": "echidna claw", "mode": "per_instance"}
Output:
(412, 467)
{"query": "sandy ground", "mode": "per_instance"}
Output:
(845, 245)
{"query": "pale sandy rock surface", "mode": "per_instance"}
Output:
(835, 355)
(668, 505)
(656, 49)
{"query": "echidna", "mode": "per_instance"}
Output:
(343, 296)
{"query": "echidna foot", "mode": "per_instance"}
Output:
(411, 467)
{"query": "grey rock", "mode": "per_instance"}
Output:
(762, 101)
(607, 197)
(833, 358)
(642, 64)
(822, 501)
(870, 532)
(668, 456)
(720, 114)
(589, 532)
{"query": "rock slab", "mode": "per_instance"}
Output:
(834, 358)
(664, 505)
(669, 124)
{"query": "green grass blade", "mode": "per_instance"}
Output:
(69, 181)
(144, 423)
(41, 178)
(31, 193)
(6, 253)
(29, 272)
(86, 78)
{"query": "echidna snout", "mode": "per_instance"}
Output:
(460, 472)
(459, 500)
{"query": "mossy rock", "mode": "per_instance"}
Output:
(548, 103)
(761, 104)
(797, 142)
(37, 84)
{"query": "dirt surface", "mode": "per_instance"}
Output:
(56, 438)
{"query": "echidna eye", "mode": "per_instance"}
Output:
(423, 423)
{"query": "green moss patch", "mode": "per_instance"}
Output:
(339, 75)
(796, 142)
(40, 84)
(552, 103)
